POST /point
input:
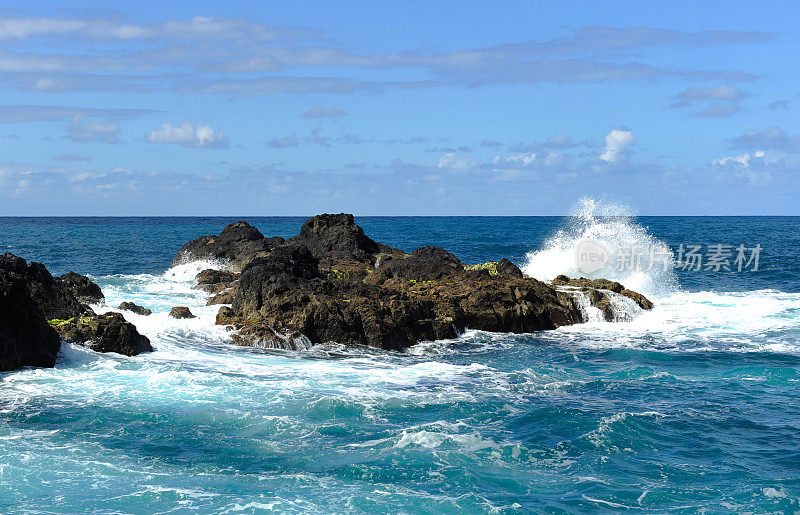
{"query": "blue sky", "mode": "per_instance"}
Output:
(398, 108)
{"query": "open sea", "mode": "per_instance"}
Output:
(691, 407)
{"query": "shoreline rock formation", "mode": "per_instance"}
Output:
(332, 283)
(37, 311)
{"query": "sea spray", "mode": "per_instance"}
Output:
(613, 227)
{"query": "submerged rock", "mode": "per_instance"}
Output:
(86, 291)
(181, 312)
(25, 337)
(135, 308)
(103, 333)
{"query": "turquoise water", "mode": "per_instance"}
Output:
(694, 406)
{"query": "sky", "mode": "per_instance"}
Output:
(398, 108)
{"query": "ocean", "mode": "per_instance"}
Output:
(691, 407)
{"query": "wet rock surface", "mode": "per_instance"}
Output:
(103, 333)
(181, 312)
(332, 283)
(237, 244)
(37, 311)
(25, 337)
(135, 308)
(603, 284)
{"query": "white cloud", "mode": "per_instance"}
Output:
(189, 135)
(759, 160)
(451, 161)
(83, 131)
(617, 143)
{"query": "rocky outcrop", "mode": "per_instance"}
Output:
(333, 283)
(81, 287)
(25, 337)
(215, 281)
(135, 308)
(181, 312)
(38, 310)
(602, 284)
(237, 244)
(103, 333)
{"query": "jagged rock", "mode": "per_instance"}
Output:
(333, 283)
(181, 312)
(223, 297)
(604, 284)
(215, 281)
(25, 337)
(51, 297)
(273, 275)
(424, 264)
(237, 244)
(506, 267)
(226, 316)
(265, 337)
(86, 291)
(135, 308)
(36, 300)
(103, 333)
(502, 267)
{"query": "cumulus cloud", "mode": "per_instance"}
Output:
(617, 143)
(189, 135)
(759, 160)
(84, 131)
(454, 162)
(324, 112)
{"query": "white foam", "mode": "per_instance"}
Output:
(612, 226)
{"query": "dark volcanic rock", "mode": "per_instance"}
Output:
(51, 297)
(135, 308)
(424, 264)
(237, 244)
(506, 267)
(339, 244)
(81, 287)
(103, 333)
(181, 312)
(223, 297)
(603, 284)
(333, 283)
(25, 337)
(215, 281)
(226, 316)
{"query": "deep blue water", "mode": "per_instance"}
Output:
(694, 406)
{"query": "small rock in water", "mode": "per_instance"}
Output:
(103, 333)
(181, 312)
(135, 308)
